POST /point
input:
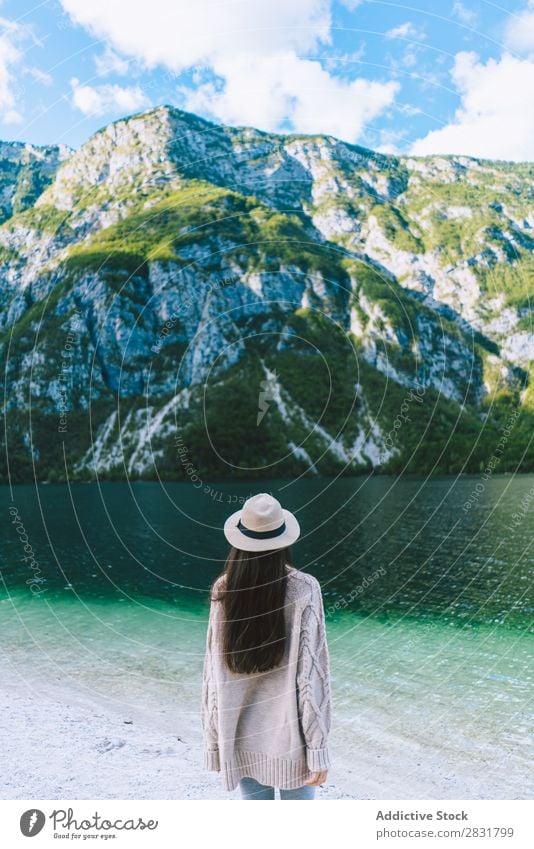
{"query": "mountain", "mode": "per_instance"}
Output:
(182, 299)
(25, 172)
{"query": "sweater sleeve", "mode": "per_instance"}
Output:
(209, 711)
(313, 682)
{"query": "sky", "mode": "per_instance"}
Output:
(421, 77)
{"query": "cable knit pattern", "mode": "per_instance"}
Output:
(209, 705)
(272, 726)
(313, 681)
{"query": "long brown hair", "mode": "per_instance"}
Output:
(252, 590)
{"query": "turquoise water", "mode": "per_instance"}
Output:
(117, 541)
(431, 641)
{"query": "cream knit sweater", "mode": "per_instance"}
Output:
(271, 726)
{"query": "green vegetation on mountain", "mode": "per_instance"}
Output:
(161, 281)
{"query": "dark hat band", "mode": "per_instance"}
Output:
(261, 534)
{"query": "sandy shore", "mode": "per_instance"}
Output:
(97, 703)
(59, 748)
(57, 744)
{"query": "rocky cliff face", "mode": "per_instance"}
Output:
(180, 298)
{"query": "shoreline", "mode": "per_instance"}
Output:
(65, 745)
(372, 472)
(110, 755)
(62, 744)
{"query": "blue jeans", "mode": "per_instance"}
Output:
(252, 789)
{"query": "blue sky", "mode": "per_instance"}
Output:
(440, 76)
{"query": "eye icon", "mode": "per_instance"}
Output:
(32, 822)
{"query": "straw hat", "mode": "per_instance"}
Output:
(261, 525)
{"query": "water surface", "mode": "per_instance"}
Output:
(429, 611)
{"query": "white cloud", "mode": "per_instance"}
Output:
(10, 56)
(406, 30)
(389, 148)
(519, 32)
(409, 59)
(391, 141)
(465, 15)
(496, 115)
(182, 33)
(255, 53)
(103, 99)
(11, 26)
(38, 75)
(334, 60)
(14, 38)
(110, 62)
(12, 116)
(283, 89)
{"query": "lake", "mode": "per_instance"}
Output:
(428, 594)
